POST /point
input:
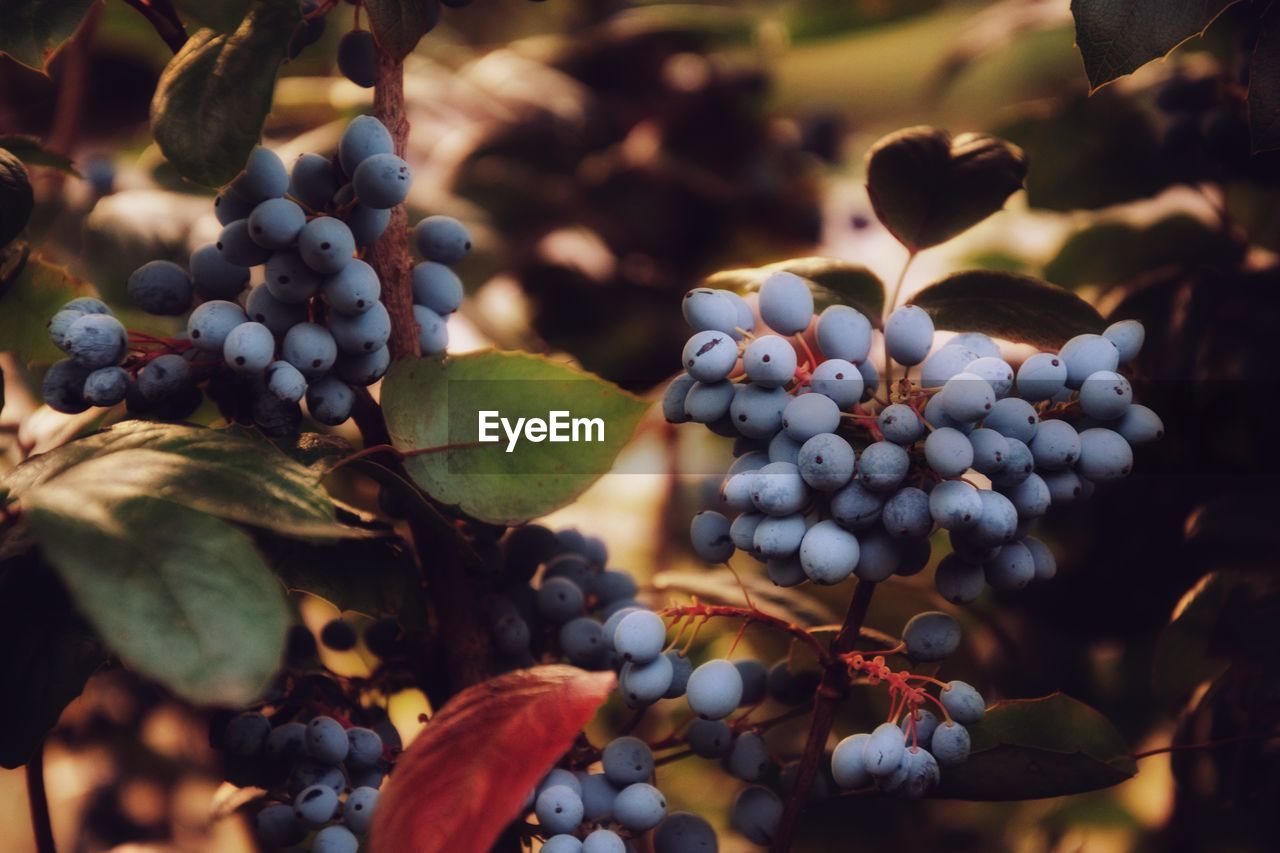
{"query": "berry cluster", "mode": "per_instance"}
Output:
(319, 753)
(832, 479)
(313, 327)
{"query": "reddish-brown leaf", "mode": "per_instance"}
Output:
(469, 772)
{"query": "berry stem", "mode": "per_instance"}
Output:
(748, 614)
(39, 802)
(891, 304)
(835, 682)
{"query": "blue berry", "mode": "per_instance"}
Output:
(644, 683)
(1046, 565)
(364, 747)
(560, 600)
(963, 702)
(995, 371)
(948, 452)
(840, 380)
(955, 505)
(582, 641)
(926, 722)
(639, 807)
(844, 333)
(164, 377)
(246, 734)
(627, 760)
(989, 451)
(275, 223)
(944, 364)
(276, 826)
(755, 813)
(950, 744)
(211, 322)
(810, 414)
(707, 309)
(826, 462)
(228, 206)
(966, 397)
(958, 580)
(285, 381)
(710, 356)
(1104, 455)
(315, 806)
(1140, 425)
(562, 843)
(709, 534)
(884, 750)
(639, 637)
(1013, 417)
(900, 424)
(603, 841)
(96, 340)
(674, 397)
(908, 333)
(906, 514)
(161, 287)
(361, 333)
(883, 466)
(330, 400)
(249, 348)
(1127, 335)
(828, 553)
(931, 636)
(327, 740)
(358, 812)
(756, 411)
(310, 348)
(917, 773)
(382, 181)
(879, 556)
(356, 58)
(684, 832)
(848, 762)
(1085, 355)
(311, 181)
(264, 177)
(714, 689)
(1011, 568)
(442, 239)
(778, 537)
(707, 402)
(364, 137)
(1040, 377)
(1056, 445)
(1105, 395)
(709, 738)
(106, 386)
(769, 361)
(598, 794)
(433, 331)
(238, 248)
(335, 839)
(856, 507)
(326, 245)
(778, 490)
(286, 744)
(214, 277)
(748, 758)
(786, 303)
(437, 287)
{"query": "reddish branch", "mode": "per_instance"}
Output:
(164, 20)
(749, 614)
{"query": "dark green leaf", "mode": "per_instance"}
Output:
(1027, 749)
(1264, 87)
(31, 31)
(16, 199)
(433, 404)
(209, 470)
(1007, 305)
(831, 279)
(1116, 252)
(1117, 37)
(214, 96)
(927, 186)
(180, 596)
(398, 25)
(370, 576)
(26, 305)
(31, 150)
(1185, 657)
(49, 654)
(221, 15)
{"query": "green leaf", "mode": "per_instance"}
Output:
(221, 15)
(833, 281)
(1264, 86)
(31, 31)
(16, 199)
(927, 186)
(1117, 37)
(1007, 305)
(1116, 252)
(49, 654)
(214, 96)
(398, 25)
(433, 404)
(178, 595)
(26, 306)
(30, 150)
(1028, 749)
(235, 478)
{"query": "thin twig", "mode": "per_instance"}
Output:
(1208, 744)
(39, 802)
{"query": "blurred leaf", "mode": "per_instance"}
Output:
(208, 470)
(1235, 530)
(221, 15)
(49, 654)
(927, 186)
(1118, 38)
(1116, 252)
(719, 586)
(26, 306)
(1090, 153)
(1007, 305)
(31, 31)
(1257, 209)
(430, 404)
(1264, 87)
(398, 25)
(1028, 749)
(467, 775)
(1184, 658)
(833, 280)
(180, 596)
(369, 576)
(213, 98)
(16, 199)
(30, 150)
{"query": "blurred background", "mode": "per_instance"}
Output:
(608, 156)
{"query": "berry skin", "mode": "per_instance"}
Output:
(955, 505)
(560, 776)
(709, 533)
(998, 522)
(275, 223)
(326, 245)
(106, 386)
(908, 333)
(264, 177)
(639, 807)
(1105, 395)
(59, 323)
(880, 557)
(778, 538)
(748, 759)
(161, 287)
(209, 325)
(883, 466)
(335, 839)
(1104, 455)
(560, 600)
(1040, 377)
(164, 377)
(433, 331)
(681, 669)
(362, 333)
(627, 760)
(900, 424)
(848, 762)
(840, 380)
(856, 507)
(310, 772)
(786, 303)
(948, 452)
(285, 381)
(382, 181)
(644, 683)
(367, 224)
(958, 580)
(238, 248)
(87, 305)
(683, 832)
(966, 397)
(808, 415)
(708, 309)
(906, 514)
(915, 776)
(364, 137)
(844, 333)
(1014, 418)
(582, 641)
(990, 449)
(96, 340)
(337, 634)
(710, 356)
(603, 841)
(826, 462)
(562, 844)
(995, 371)
(1012, 567)
(1085, 355)
(673, 399)
(437, 287)
(228, 206)
(756, 412)
(310, 348)
(276, 826)
(330, 400)
(442, 239)
(1031, 498)
(327, 740)
(769, 361)
(944, 364)
(709, 738)
(755, 681)
(1056, 445)
(364, 747)
(1064, 486)
(963, 703)
(311, 181)
(249, 348)
(884, 750)
(246, 734)
(356, 52)
(315, 806)
(598, 795)
(358, 812)
(640, 636)
(263, 307)
(714, 689)
(778, 490)
(926, 722)
(1140, 425)
(708, 402)
(931, 636)
(755, 813)
(950, 744)
(828, 553)
(1128, 336)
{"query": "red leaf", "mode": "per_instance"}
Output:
(466, 776)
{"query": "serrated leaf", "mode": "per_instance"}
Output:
(1115, 252)
(467, 775)
(1117, 37)
(178, 595)
(49, 654)
(30, 150)
(33, 297)
(927, 186)
(208, 470)
(398, 25)
(1007, 305)
(1264, 87)
(16, 198)
(213, 97)
(1028, 749)
(833, 281)
(433, 404)
(32, 31)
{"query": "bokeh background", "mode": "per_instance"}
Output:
(608, 155)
